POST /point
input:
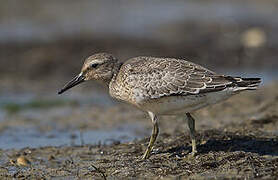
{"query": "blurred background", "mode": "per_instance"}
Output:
(43, 45)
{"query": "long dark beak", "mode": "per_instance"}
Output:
(75, 81)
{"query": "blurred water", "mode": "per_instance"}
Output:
(30, 137)
(48, 20)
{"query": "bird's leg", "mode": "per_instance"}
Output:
(191, 125)
(154, 135)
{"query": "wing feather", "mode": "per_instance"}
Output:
(159, 77)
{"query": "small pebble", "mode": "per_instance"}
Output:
(51, 157)
(22, 161)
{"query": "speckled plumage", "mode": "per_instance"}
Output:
(144, 80)
(161, 86)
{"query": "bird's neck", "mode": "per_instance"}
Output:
(115, 70)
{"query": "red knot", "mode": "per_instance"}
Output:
(161, 86)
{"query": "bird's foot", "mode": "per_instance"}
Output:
(193, 153)
(145, 156)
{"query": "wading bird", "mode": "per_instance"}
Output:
(161, 86)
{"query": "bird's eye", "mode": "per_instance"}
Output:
(94, 65)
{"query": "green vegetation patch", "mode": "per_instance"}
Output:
(37, 104)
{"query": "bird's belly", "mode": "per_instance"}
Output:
(175, 105)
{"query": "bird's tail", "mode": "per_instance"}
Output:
(245, 83)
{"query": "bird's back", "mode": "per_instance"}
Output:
(144, 79)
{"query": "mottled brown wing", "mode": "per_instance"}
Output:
(158, 77)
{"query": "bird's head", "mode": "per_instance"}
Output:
(98, 67)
